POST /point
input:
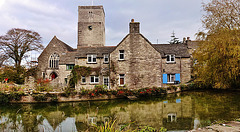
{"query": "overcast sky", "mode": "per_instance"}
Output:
(158, 18)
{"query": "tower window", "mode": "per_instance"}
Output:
(90, 27)
(54, 61)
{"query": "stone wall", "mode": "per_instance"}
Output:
(104, 71)
(181, 65)
(91, 26)
(141, 65)
(54, 46)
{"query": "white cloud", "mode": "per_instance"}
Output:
(158, 18)
(2, 3)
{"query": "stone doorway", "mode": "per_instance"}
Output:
(53, 75)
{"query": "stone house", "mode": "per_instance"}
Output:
(134, 63)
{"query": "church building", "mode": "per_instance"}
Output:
(134, 63)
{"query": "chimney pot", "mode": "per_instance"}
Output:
(132, 20)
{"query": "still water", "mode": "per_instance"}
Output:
(182, 111)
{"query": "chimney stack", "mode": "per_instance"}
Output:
(134, 27)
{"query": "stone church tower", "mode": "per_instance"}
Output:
(91, 26)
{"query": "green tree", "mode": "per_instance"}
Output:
(219, 59)
(218, 55)
(174, 39)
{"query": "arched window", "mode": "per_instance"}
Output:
(54, 61)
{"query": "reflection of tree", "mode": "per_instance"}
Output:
(30, 121)
(207, 105)
(212, 106)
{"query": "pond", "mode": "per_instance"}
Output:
(182, 111)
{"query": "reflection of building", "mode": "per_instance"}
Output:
(175, 114)
(55, 118)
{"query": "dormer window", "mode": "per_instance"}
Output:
(170, 58)
(92, 58)
(106, 60)
(121, 54)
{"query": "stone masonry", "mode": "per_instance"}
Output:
(134, 63)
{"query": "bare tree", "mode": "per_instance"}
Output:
(17, 42)
(221, 14)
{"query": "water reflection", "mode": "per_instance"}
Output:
(178, 112)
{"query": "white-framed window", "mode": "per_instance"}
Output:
(94, 79)
(105, 57)
(170, 78)
(92, 58)
(170, 58)
(54, 61)
(83, 79)
(106, 81)
(121, 54)
(121, 79)
(172, 117)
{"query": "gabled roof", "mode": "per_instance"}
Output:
(56, 40)
(99, 51)
(180, 50)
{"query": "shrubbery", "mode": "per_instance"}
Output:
(39, 97)
(12, 96)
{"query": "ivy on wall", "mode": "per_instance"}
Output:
(79, 71)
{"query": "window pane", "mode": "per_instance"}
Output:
(89, 59)
(121, 56)
(121, 51)
(96, 80)
(172, 78)
(94, 59)
(105, 81)
(168, 78)
(168, 58)
(56, 63)
(121, 81)
(83, 79)
(92, 79)
(172, 57)
(106, 58)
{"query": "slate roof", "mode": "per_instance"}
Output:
(68, 58)
(180, 50)
(69, 48)
(83, 51)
